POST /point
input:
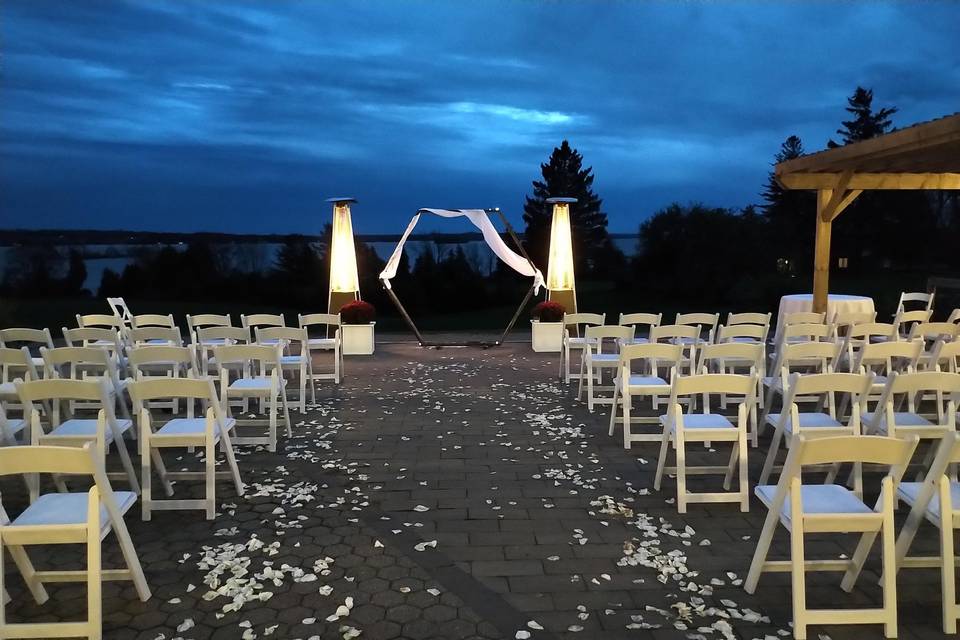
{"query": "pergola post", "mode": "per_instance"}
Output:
(821, 256)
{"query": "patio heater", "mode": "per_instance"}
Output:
(561, 286)
(344, 281)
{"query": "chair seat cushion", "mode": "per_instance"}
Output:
(639, 382)
(7, 389)
(578, 341)
(253, 383)
(816, 498)
(703, 421)
(322, 343)
(86, 427)
(189, 427)
(297, 359)
(901, 419)
(635, 340)
(604, 357)
(909, 492)
(16, 426)
(807, 421)
(69, 508)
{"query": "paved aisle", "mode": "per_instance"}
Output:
(461, 493)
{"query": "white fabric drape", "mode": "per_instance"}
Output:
(480, 220)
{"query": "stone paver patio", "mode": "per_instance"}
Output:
(460, 493)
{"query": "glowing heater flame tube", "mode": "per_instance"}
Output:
(560, 265)
(343, 256)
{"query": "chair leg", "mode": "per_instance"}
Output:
(303, 388)
(580, 377)
(210, 465)
(227, 445)
(744, 473)
(273, 421)
(760, 553)
(889, 557)
(627, 401)
(948, 587)
(798, 575)
(146, 477)
(127, 464)
(94, 580)
(590, 390)
(772, 453)
(22, 560)
(613, 409)
(286, 415)
(681, 457)
(662, 459)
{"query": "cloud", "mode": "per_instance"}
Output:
(271, 105)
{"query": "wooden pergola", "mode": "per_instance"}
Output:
(923, 156)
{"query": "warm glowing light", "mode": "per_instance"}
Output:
(560, 265)
(343, 257)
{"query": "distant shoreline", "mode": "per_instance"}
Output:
(33, 237)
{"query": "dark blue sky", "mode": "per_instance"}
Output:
(244, 116)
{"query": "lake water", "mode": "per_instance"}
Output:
(262, 256)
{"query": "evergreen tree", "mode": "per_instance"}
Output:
(76, 273)
(789, 212)
(564, 176)
(866, 123)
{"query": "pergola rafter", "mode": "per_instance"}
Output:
(923, 156)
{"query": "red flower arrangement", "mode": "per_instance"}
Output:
(548, 311)
(357, 312)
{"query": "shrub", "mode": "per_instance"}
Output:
(548, 312)
(357, 312)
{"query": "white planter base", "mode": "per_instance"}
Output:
(547, 336)
(358, 339)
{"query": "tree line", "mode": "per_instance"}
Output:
(689, 254)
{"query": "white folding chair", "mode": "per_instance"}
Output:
(749, 333)
(325, 343)
(187, 431)
(825, 421)
(916, 299)
(802, 357)
(206, 339)
(152, 320)
(685, 335)
(572, 340)
(31, 338)
(68, 430)
(885, 358)
(746, 358)
(679, 428)
(909, 389)
(258, 376)
(937, 500)
(750, 318)
(832, 508)
(84, 363)
(594, 360)
(100, 320)
(931, 333)
(105, 338)
(201, 320)
(905, 320)
(842, 321)
(254, 320)
(121, 310)
(66, 518)
(860, 334)
(946, 356)
(637, 320)
(299, 362)
(154, 335)
(164, 361)
(706, 324)
(658, 368)
(15, 364)
(797, 317)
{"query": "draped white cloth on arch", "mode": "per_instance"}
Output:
(481, 220)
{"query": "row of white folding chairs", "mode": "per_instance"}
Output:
(244, 372)
(688, 328)
(205, 329)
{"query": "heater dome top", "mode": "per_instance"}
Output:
(558, 200)
(341, 199)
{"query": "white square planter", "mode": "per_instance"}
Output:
(547, 336)
(357, 339)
